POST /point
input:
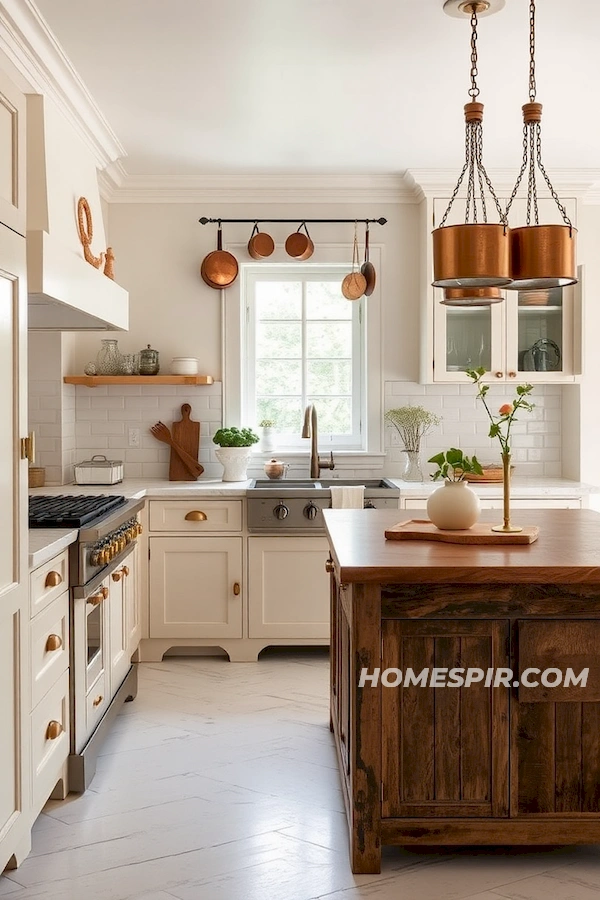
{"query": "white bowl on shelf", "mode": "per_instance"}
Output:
(184, 365)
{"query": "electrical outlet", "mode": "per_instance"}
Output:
(134, 437)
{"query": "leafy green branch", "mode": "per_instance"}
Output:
(501, 424)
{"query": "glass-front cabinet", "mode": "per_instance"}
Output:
(531, 336)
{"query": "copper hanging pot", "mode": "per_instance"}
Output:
(368, 269)
(298, 245)
(485, 296)
(220, 268)
(542, 256)
(261, 245)
(471, 256)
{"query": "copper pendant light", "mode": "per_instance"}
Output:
(542, 256)
(485, 296)
(475, 254)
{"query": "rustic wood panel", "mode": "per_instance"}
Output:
(500, 714)
(444, 832)
(418, 735)
(560, 644)
(365, 732)
(566, 551)
(590, 751)
(391, 718)
(447, 725)
(475, 720)
(536, 766)
(568, 777)
(502, 601)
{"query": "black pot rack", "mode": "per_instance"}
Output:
(205, 221)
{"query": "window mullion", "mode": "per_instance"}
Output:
(304, 349)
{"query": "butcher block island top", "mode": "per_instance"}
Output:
(454, 715)
(567, 549)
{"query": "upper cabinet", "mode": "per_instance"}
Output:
(533, 336)
(12, 156)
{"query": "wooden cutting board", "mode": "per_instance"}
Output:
(480, 533)
(186, 433)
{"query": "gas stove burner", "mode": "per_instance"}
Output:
(64, 511)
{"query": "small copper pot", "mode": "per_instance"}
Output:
(298, 245)
(260, 244)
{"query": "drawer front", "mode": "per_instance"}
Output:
(48, 582)
(49, 647)
(49, 739)
(194, 516)
(96, 703)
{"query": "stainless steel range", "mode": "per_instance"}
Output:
(296, 507)
(108, 530)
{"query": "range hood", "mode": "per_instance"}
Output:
(66, 293)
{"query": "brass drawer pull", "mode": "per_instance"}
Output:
(98, 700)
(116, 576)
(95, 599)
(236, 588)
(104, 592)
(54, 642)
(53, 579)
(196, 515)
(53, 730)
(329, 566)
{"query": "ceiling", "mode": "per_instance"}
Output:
(222, 87)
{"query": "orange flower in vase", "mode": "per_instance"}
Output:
(500, 426)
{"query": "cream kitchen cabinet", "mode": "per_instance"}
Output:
(531, 336)
(121, 608)
(288, 588)
(15, 821)
(12, 156)
(132, 588)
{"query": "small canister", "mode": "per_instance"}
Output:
(275, 469)
(149, 364)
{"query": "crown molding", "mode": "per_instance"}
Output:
(36, 54)
(583, 184)
(277, 188)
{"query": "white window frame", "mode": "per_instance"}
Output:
(233, 350)
(304, 273)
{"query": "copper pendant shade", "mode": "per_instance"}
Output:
(475, 254)
(485, 296)
(542, 256)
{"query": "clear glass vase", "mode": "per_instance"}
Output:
(412, 466)
(108, 361)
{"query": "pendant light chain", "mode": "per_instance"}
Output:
(532, 143)
(473, 166)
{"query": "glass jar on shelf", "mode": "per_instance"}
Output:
(108, 360)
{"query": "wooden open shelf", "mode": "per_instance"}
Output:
(95, 380)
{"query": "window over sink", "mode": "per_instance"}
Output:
(304, 343)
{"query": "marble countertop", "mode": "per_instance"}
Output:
(44, 543)
(519, 487)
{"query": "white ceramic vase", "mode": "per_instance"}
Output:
(234, 461)
(453, 506)
(267, 442)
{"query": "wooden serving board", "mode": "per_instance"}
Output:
(480, 533)
(186, 433)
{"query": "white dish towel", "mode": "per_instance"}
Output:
(348, 496)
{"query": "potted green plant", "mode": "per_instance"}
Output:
(235, 451)
(267, 442)
(455, 505)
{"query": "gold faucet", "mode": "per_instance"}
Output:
(309, 430)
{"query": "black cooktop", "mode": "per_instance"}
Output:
(64, 511)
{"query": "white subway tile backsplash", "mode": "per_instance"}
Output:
(107, 402)
(92, 415)
(108, 428)
(143, 402)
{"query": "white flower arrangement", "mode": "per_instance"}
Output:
(411, 423)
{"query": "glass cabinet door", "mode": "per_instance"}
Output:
(467, 338)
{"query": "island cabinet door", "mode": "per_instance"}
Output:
(445, 749)
(556, 719)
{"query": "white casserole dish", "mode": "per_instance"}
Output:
(99, 470)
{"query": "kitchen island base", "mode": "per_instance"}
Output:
(477, 765)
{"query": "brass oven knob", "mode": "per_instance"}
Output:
(138, 528)
(95, 559)
(53, 579)
(53, 730)
(53, 642)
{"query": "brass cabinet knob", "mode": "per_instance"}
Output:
(98, 700)
(95, 599)
(236, 588)
(116, 576)
(53, 579)
(53, 642)
(512, 374)
(53, 730)
(125, 571)
(104, 591)
(196, 515)
(499, 375)
(329, 566)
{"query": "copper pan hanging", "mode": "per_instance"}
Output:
(471, 256)
(485, 296)
(298, 245)
(542, 256)
(261, 245)
(220, 268)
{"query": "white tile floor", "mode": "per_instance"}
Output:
(219, 783)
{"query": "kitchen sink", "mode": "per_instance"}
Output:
(282, 485)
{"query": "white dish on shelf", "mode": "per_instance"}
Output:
(184, 365)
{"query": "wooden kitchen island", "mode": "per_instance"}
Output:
(465, 765)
